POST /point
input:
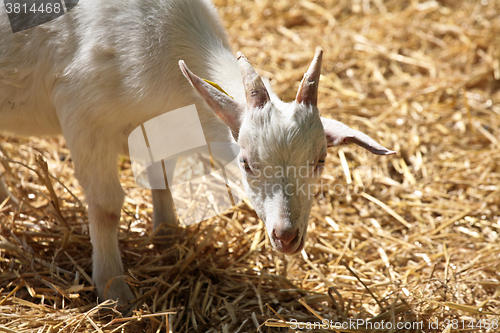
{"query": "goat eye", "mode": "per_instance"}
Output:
(321, 164)
(244, 164)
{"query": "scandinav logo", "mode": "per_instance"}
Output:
(170, 151)
(26, 14)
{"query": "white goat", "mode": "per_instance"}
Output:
(107, 66)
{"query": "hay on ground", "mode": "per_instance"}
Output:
(411, 238)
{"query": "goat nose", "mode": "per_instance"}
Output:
(286, 236)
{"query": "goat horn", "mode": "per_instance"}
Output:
(308, 90)
(255, 91)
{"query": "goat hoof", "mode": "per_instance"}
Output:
(118, 291)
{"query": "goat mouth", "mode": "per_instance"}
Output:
(291, 248)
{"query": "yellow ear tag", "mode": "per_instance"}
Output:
(216, 86)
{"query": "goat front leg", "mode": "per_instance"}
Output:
(96, 170)
(164, 213)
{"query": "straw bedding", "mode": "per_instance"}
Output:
(410, 238)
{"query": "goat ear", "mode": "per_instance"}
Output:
(308, 90)
(339, 134)
(229, 111)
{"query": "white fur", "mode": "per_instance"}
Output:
(97, 73)
(108, 66)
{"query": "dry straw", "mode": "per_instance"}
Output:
(412, 238)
